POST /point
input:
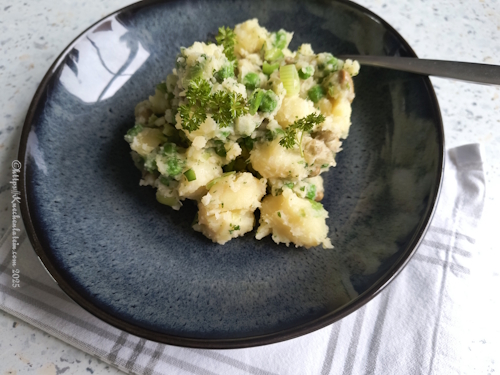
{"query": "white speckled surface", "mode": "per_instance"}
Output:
(33, 33)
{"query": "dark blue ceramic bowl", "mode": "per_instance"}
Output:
(139, 266)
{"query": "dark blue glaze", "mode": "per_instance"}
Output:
(139, 265)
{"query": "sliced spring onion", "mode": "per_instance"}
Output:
(168, 201)
(269, 68)
(190, 175)
(290, 79)
(255, 101)
(273, 54)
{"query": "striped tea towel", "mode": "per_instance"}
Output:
(415, 326)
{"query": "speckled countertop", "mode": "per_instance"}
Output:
(33, 33)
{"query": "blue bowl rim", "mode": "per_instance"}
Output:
(32, 227)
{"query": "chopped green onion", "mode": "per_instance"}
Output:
(273, 54)
(290, 79)
(306, 72)
(190, 175)
(311, 193)
(315, 93)
(251, 81)
(269, 101)
(279, 214)
(168, 201)
(269, 68)
(289, 185)
(255, 101)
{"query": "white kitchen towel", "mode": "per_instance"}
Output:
(417, 325)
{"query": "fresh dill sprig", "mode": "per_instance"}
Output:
(303, 125)
(227, 39)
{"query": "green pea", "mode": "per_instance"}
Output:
(280, 41)
(225, 72)
(306, 72)
(269, 101)
(169, 148)
(173, 167)
(316, 93)
(251, 81)
(332, 64)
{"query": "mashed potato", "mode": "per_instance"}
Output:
(242, 118)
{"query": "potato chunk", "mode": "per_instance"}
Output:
(292, 109)
(206, 166)
(272, 160)
(292, 219)
(147, 140)
(250, 37)
(226, 211)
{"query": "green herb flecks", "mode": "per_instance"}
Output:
(233, 228)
